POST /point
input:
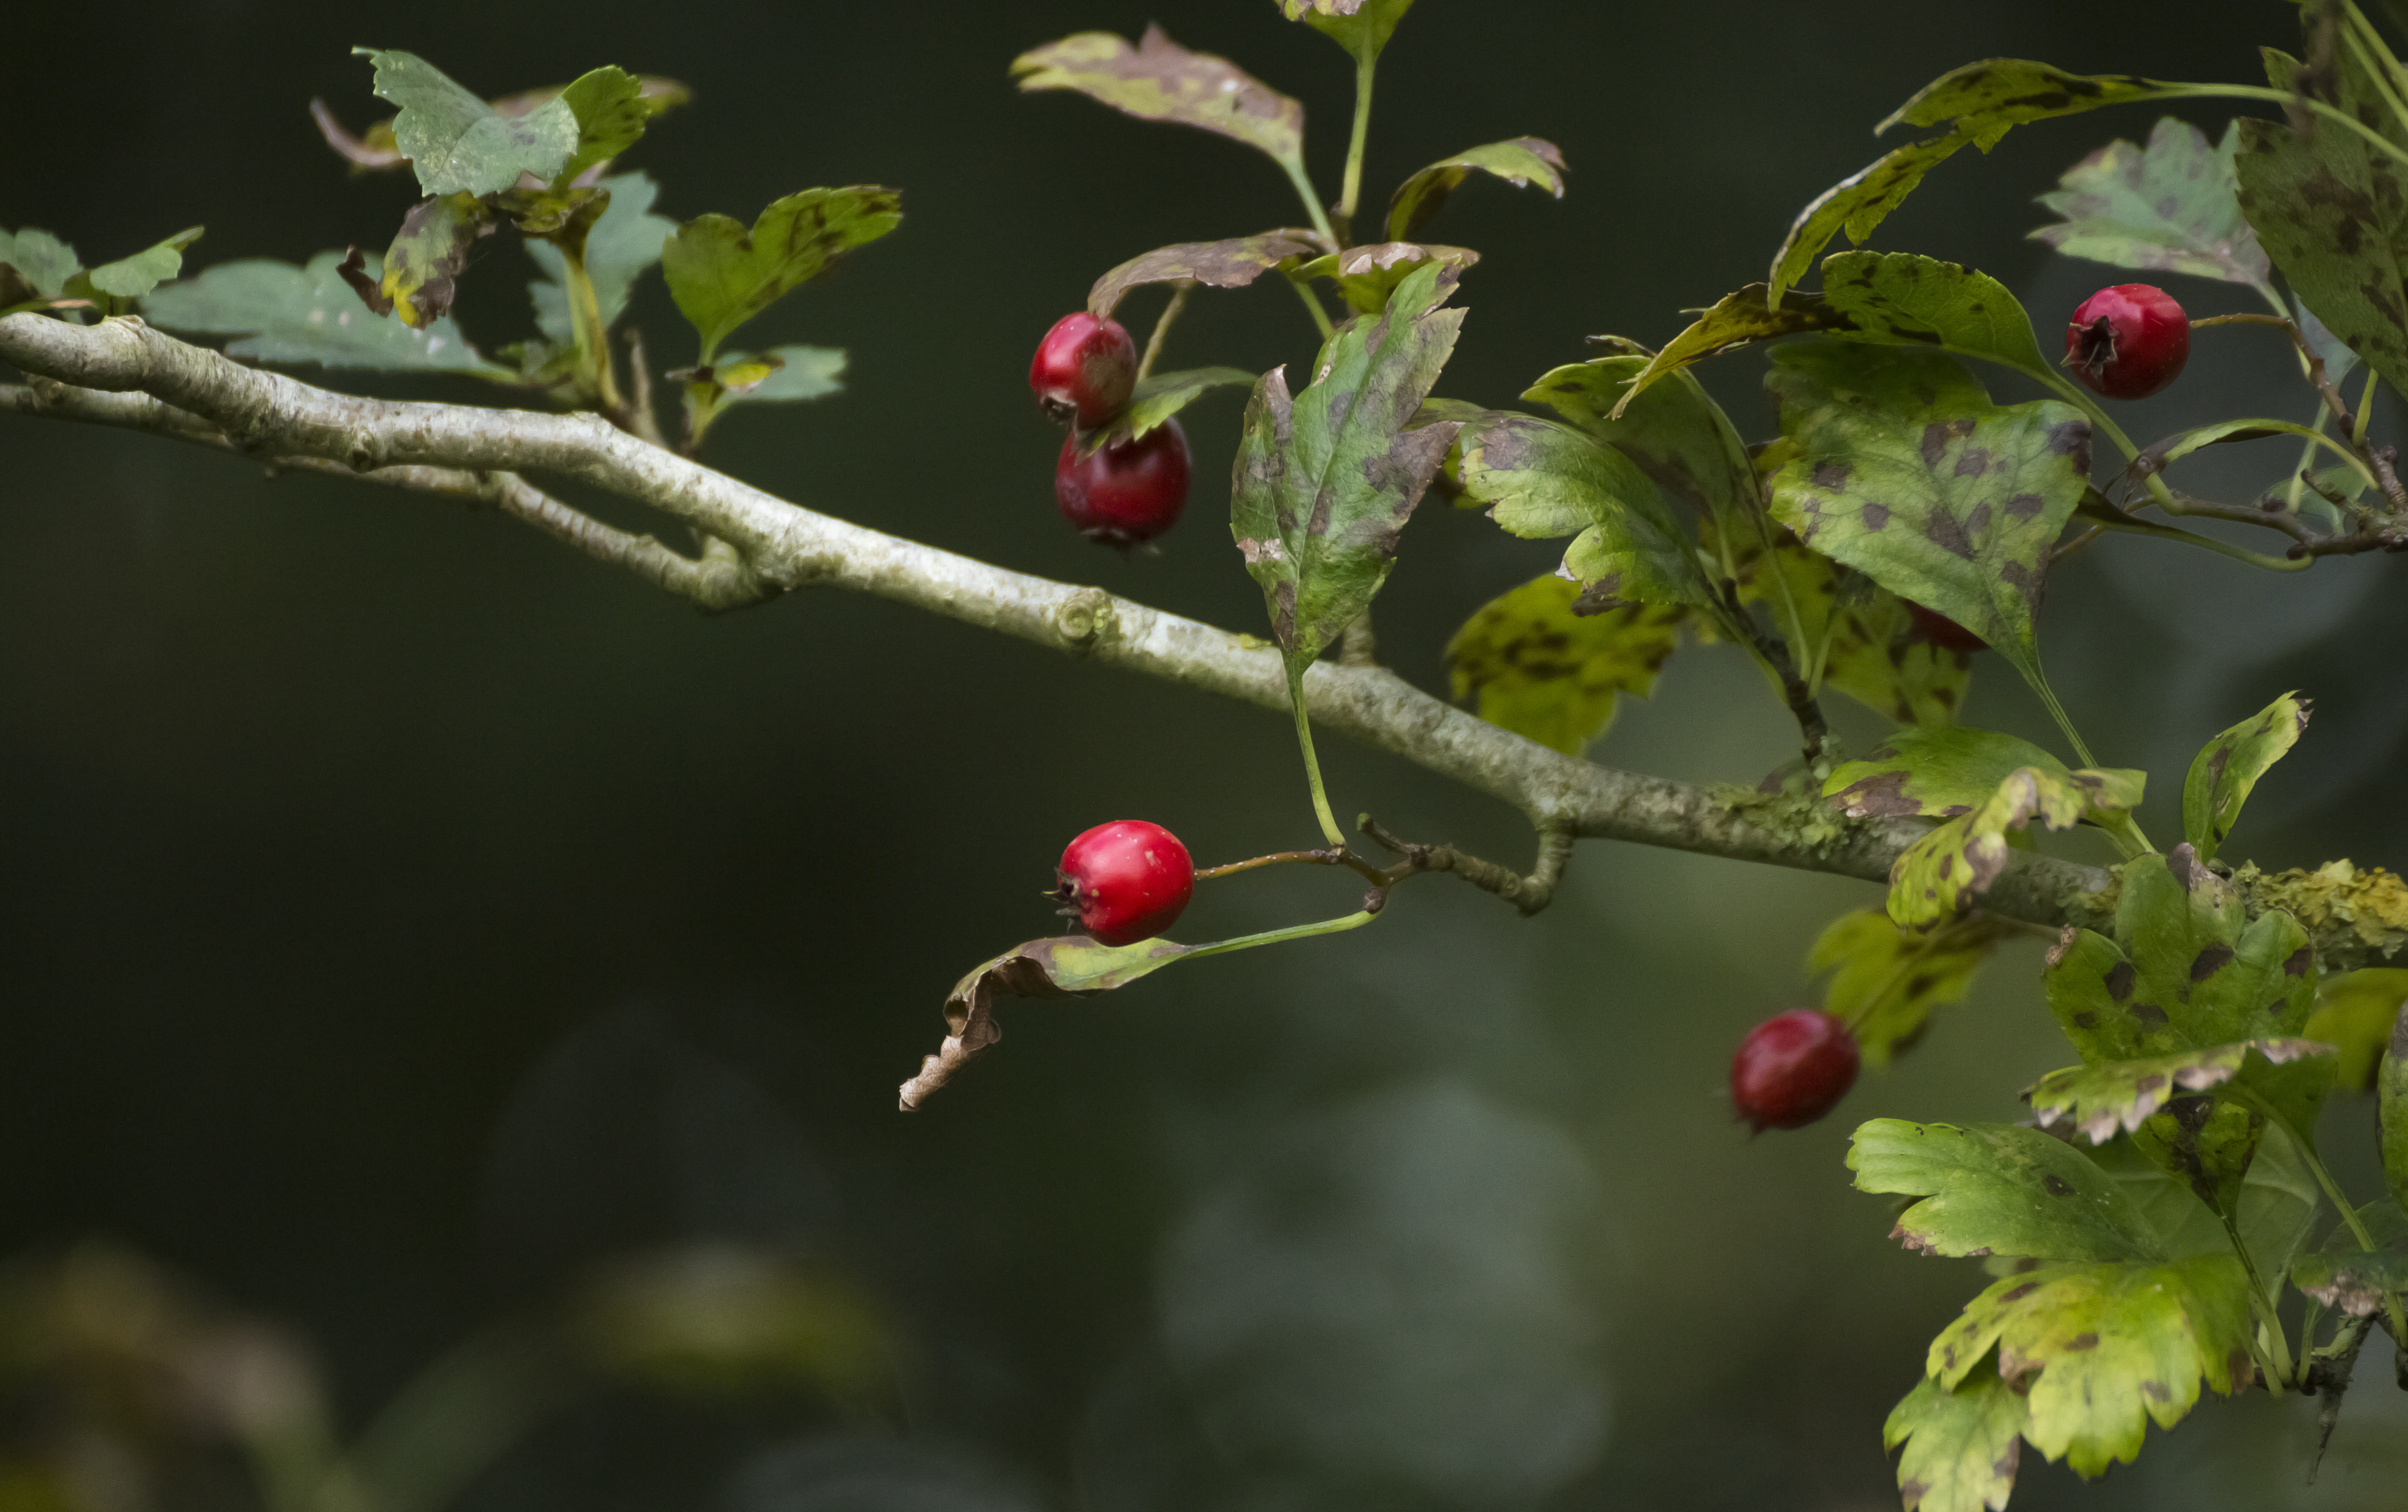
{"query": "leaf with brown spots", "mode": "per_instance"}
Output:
(721, 275)
(1223, 265)
(2173, 206)
(1360, 26)
(2228, 766)
(422, 267)
(1881, 656)
(1068, 965)
(1941, 773)
(1324, 482)
(2101, 1100)
(1520, 162)
(2355, 1012)
(2330, 210)
(1541, 479)
(1737, 319)
(1157, 79)
(1905, 471)
(1676, 434)
(1987, 98)
(2359, 1281)
(1367, 276)
(1945, 872)
(286, 314)
(1906, 300)
(1961, 1445)
(1856, 205)
(1998, 1188)
(1536, 665)
(1886, 982)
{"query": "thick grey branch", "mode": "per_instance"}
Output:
(198, 394)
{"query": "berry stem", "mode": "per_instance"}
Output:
(1350, 187)
(1179, 292)
(1329, 829)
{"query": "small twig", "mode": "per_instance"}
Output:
(2276, 517)
(1794, 691)
(1528, 893)
(1179, 292)
(1327, 856)
(2375, 458)
(646, 421)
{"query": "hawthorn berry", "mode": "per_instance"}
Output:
(1126, 493)
(1792, 1069)
(1941, 631)
(2127, 340)
(1125, 882)
(1085, 369)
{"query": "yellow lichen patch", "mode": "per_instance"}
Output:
(2341, 903)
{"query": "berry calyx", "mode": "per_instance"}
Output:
(1941, 631)
(1084, 371)
(1124, 494)
(1792, 1069)
(2128, 341)
(1125, 882)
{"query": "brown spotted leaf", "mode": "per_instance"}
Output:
(1936, 774)
(1997, 1189)
(1065, 966)
(1521, 161)
(1157, 79)
(1361, 27)
(2228, 766)
(1905, 471)
(1223, 265)
(2172, 207)
(1325, 480)
(422, 267)
(1945, 872)
(1885, 981)
(1880, 655)
(2359, 1281)
(2119, 1095)
(1540, 478)
(1856, 205)
(1367, 276)
(721, 275)
(1737, 319)
(1534, 664)
(1961, 1445)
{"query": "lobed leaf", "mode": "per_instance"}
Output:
(131, 277)
(2354, 1014)
(1878, 655)
(1540, 479)
(1223, 265)
(1940, 875)
(1367, 276)
(2173, 206)
(2099, 1100)
(286, 314)
(1676, 435)
(2228, 766)
(2277, 1207)
(422, 267)
(1906, 299)
(613, 109)
(2359, 1281)
(1933, 774)
(41, 262)
(1360, 26)
(721, 275)
(1961, 1445)
(455, 142)
(1157, 79)
(1534, 664)
(1905, 471)
(1998, 1188)
(1324, 482)
(1886, 982)
(1523, 161)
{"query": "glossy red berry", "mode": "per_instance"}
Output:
(1943, 632)
(2128, 341)
(1792, 1069)
(1128, 493)
(1085, 369)
(1126, 882)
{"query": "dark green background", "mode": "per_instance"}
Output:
(405, 912)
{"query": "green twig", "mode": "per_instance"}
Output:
(1329, 829)
(1350, 187)
(1320, 317)
(1295, 167)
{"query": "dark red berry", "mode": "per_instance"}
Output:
(1792, 1069)
(1126, 882)
(1124, 494)
(1943, 632)
(2128, 341)
(1085, 370)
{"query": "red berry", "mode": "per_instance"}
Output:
(1124, 494)
(1792, 1069)
(1943, 632)
(1126, 882)
(2128, 341)
(1085, 369)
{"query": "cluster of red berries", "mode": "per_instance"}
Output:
(1121, 494)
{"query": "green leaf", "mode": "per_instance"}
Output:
(1521, 161)
(455, 142)
(1940, 875)
(1961, 1445)
(1367, 276)
(422, 267)
(1223, 265)
(1886, 982)
(1878, 655)
(1160, 396)
(287, 314)
(41, 260)
(1905, 299)
(2228, 766)
(2391, 1103)
(110, 285)
(1541, 479)
(1737, 319)
(1855, 204)
(721, 275)
(625, 242)
(1157, 79)
(1325, 481)
(2099, 1100)
(1985, 99)
(1998, 1188)
(1360, 26)
(1933, 774)
(2355, 1012)
(2327, 208)
(1536, 665)
(2359, 1281)
(2173, 206)
(782, 373)
(2278, 1205)
(1677, 435)
(2100, 1349)
(611, 110)
(1905, 471)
